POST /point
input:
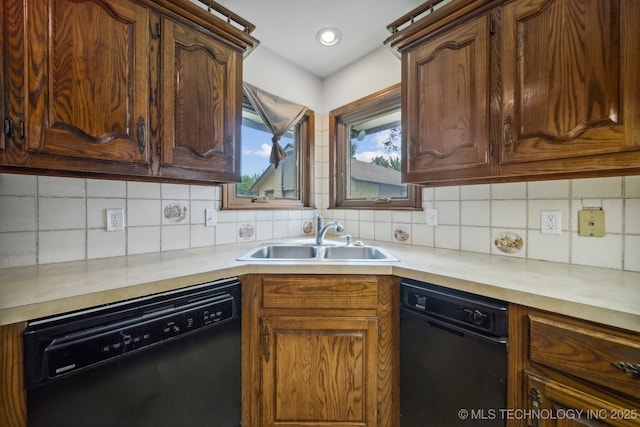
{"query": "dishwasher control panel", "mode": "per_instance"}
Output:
(473, 311)
(70, 343)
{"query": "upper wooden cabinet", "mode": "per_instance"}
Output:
(503, 90)
(446, 121)
(202, 106)
(122, 88)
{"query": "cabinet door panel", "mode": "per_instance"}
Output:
(445, 112)
(320, 371)
(88, 79)
(200, 107)
(564, 74)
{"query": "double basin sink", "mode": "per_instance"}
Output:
(313, 252)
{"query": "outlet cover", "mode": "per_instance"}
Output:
(550, 222)
(115, 219)
(591, 223)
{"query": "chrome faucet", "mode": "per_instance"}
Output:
(322, 228)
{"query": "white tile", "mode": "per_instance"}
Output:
(383, 232)
(510, 190)
(402, 233)
(59, 213)
(61, 246)
(198, 207)
(203, 192)
(383, 216)
(423, 235)
(49, 186)
(632, 253)
(367, 230)
(475, 192)
(142, 240)
(17, 185)
(175, 191)
(632, 186)
(176, 212)
(17, 249)
(428, 195)
(509, 213)
(351, 227)
(475, 239)
(367, 215)
(17, 213)
(227, 216)
(102, 244)
(401, 216)
(143, 190)
(477, 212)
(103, 188)
(175, 237)
(596, 188)
(249, 216)
(613, 215)
(548, 189)
(96, 211)
(265, 215)
(202, 236)
(142, 212)
(549, 247)
(537, 206)
(447, 193)
(603, 252)
(632, 216)
(264, 230)
(227, 233)
(447, 237)
(448, 212)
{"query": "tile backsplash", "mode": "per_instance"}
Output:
(47, 219)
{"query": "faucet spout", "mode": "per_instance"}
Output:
(321, 228)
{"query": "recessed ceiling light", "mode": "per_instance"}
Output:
(328, 36)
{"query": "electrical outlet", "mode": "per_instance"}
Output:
(115, 219)
(550, 222)
(210, 217)
(432, 217)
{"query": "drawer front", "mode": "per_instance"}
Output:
(328, 292)
(593, 355)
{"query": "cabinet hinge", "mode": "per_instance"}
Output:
(158, 33)
(8, 127)
(378, 417)
(379, 332)
(491, 147)
(492, 27)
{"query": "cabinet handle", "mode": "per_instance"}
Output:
(8, 127)
(507, 131)
(142, 135)
(536, 401)
(265, 343)
(632, 369)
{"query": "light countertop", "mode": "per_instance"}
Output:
(611, 297)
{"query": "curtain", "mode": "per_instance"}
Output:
(278, 114)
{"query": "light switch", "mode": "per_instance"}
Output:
(591, 222)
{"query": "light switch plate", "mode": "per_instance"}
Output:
(432, 217)
(591, 223)
(210, 217)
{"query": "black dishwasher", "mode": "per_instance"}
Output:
(453, 357)
(170, 359)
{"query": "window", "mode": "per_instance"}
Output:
(262, 185)
(365, 155)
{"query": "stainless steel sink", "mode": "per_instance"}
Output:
(355, 252)
(283, 252)
(310, 252)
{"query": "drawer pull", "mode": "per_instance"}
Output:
(535, 399)
(628, 368)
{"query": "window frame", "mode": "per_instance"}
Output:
(386, 100)
(305, 132)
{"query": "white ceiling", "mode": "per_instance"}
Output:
(289, 27)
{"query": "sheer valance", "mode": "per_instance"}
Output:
(278, 114)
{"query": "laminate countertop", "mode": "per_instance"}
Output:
(610, 297)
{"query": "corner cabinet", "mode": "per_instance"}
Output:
(577, 373)
(525, 89)
(88, 83)
(320, 350)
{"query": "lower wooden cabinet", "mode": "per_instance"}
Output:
(577, 373)
(320, 350)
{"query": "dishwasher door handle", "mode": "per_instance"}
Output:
(452, 328)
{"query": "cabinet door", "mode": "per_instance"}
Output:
(445, 111)
(319, 371)
(87, 77)
(554, 404)
(202, 103)
(570, 84)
